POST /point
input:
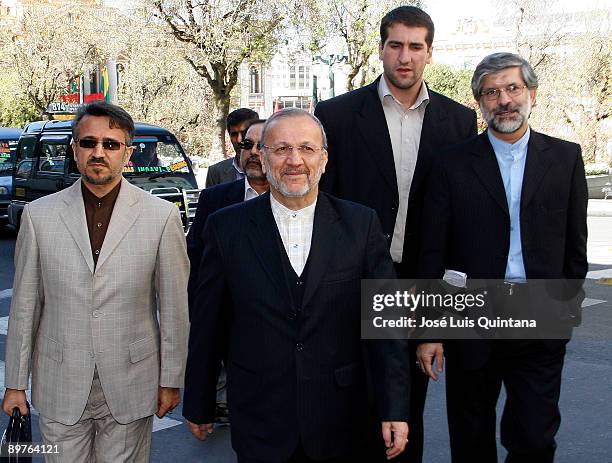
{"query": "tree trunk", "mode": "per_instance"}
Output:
(350, 84)
(222, 103)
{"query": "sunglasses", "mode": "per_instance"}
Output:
(249, 144)
(107, 145)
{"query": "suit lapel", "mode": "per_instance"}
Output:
(538, 162)
(486, 168)
(324, 242)
(75, 220)
(235, 194)
(371, 125)
(429, 131)
(123, 217)
(265, 243)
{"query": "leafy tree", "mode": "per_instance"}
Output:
(45, 54)
(352, 25)
(218, 37)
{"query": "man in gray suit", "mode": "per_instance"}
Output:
(229, 170)
(99, 309)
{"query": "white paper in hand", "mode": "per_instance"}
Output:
(455, 278)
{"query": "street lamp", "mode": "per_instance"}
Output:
(330, 60)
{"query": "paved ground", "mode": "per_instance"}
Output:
(586, 400)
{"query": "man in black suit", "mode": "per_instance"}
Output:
(281, 274)
(510, 205)
(229, 170)
(381, 142)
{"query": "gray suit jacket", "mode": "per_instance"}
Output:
(222, 172)
(66, 318)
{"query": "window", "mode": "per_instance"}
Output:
(302, 102)
(52, 158)
(292, 77)
(254, 80)
(304, 77)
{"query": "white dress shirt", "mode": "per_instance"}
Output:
(249, 191)
(295, 228)
(405, 126)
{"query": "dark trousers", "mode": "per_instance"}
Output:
(299, 456)
(530, 371)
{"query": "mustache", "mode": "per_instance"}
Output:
(254, 159)
(505, 108)
(97, 161)
(303, 170)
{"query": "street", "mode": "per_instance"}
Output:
(586, 396)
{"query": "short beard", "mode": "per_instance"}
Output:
(280, 187)
(523, 110)
(257, 177)
(98, 181)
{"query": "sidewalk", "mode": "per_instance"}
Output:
(600, 208)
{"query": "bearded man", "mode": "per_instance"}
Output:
(510, 205)
(278, 296)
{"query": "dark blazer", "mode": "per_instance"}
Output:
(211, 200)
(361, 167)
(295, 374)
(221, 172)
(470, 229)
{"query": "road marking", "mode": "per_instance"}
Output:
(6, 293)
(164, 423)
(4, 325)
(597, 274)
(589, 302)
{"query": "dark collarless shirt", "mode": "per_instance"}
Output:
(98, 212)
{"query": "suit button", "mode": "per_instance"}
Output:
(299, 347)
(388, 236)
(291, 315)
(96, 313)
(298, 309)
(299, 283)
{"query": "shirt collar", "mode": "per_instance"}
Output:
(248, 187)
(510, 149)
(236, 166)
(384, 91)
(282, 211)
(108, 198)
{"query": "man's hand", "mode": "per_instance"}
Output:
(200, 431)
(426, 354)
(14, 398)
(169, 398)
(395, 435)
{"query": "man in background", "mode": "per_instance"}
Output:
(229, 169)
(382, 141)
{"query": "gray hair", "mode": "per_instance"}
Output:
(292, 112)
(498, 62)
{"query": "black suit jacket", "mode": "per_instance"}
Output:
(295, 374)
(361, 167)
(211, 200)
(470, 229)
